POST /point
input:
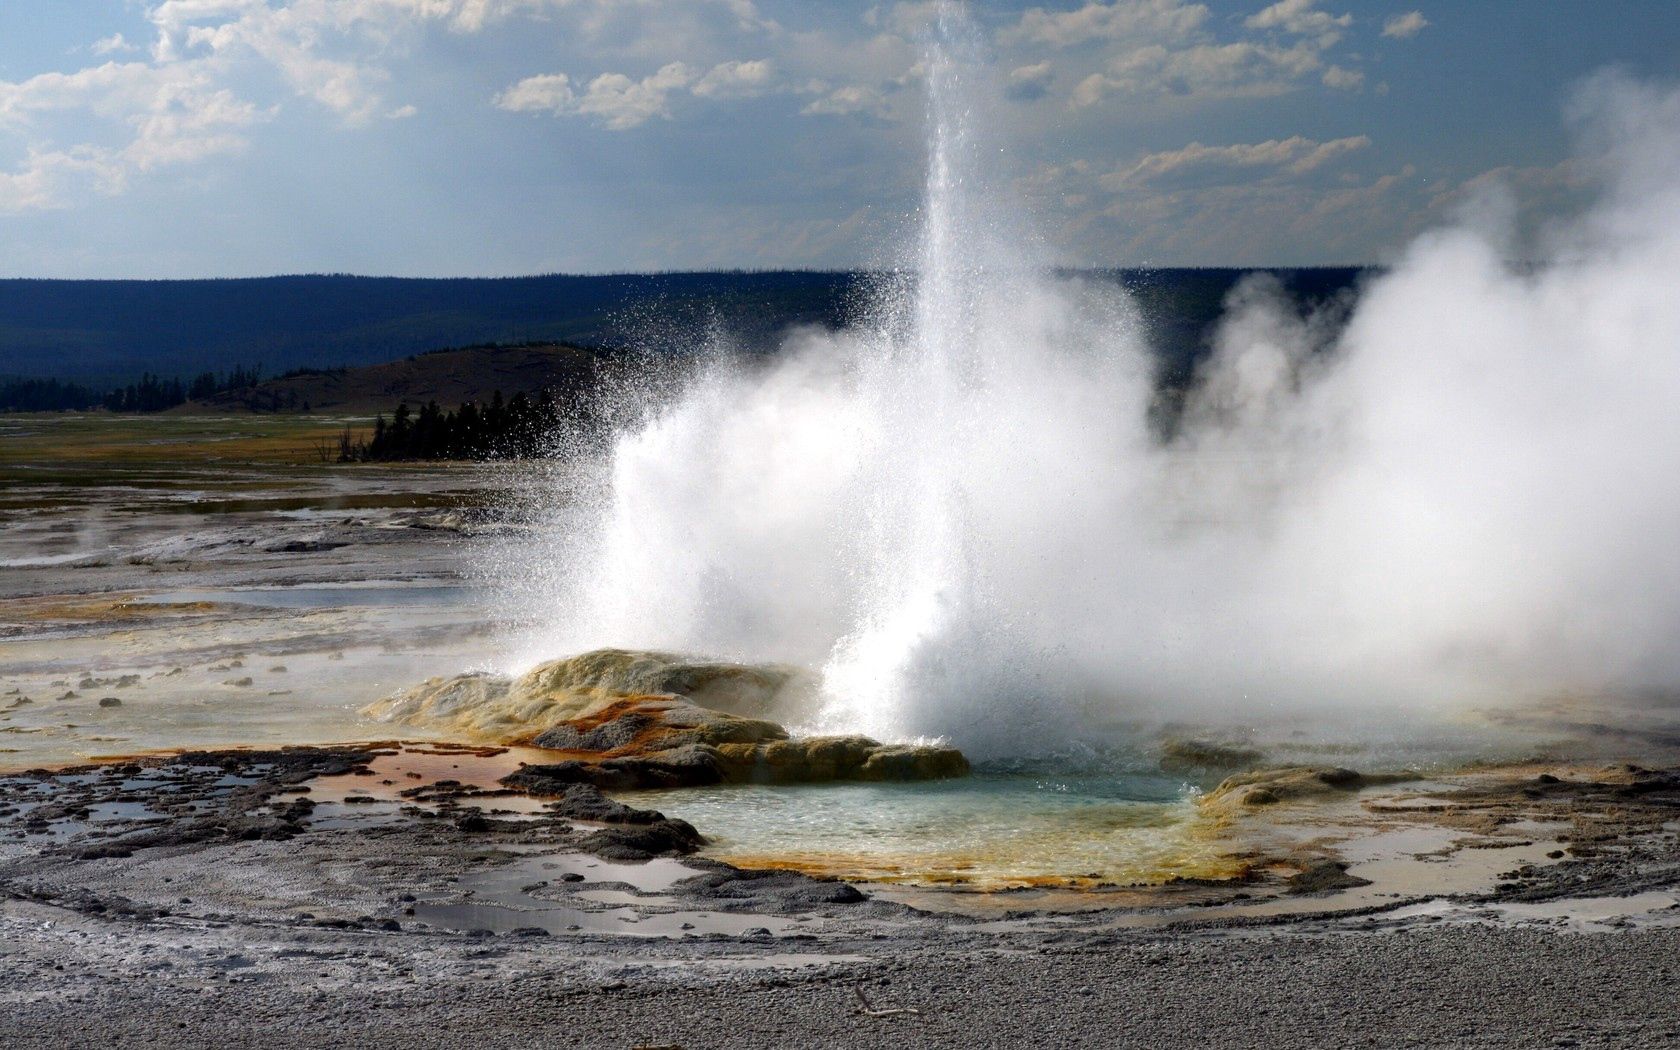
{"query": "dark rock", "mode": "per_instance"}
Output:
(609, 736)
(110, 701)
(775, 887)
(290, 765)
(643, 841)
(692, 766)
(585, 802)
(550, 778)
(304, 547)
(1179, 755)
(1325, 876)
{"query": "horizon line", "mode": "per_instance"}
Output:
(599, 274)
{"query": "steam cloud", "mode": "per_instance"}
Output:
(1464, 488)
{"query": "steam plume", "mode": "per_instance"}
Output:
(1465, 488)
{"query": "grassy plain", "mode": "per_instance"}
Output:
(80, 441)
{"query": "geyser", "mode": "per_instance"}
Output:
(961, 516)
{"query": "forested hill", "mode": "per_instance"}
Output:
(111, 331)
(448, 377)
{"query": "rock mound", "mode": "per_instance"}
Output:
(1179, 756)
(621, 719)
(1266, 787)
(498, 709)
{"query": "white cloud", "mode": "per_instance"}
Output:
(1242, 218)
(1324, 152)
(1406, 26)
(173, 18)
(1146, 20)
(1343, 79)
(864, 76)
(113, 44)
(43, 182)
(1302, 18)
(1235, 70)
(1295, 155)
(906, 18)
(162, 115)
(850, 100)
(142, 95)
(735, 79)
(216, 68)
(1366, 200)
(1548, 184)
(333, 51)
(619, 102)
(1026, 83)
(112, 90)
(1155, 48)
(189, 129)
(551, 92)
(292, 39)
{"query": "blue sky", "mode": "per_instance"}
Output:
(172, 138)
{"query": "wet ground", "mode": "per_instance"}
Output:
(232, 593)
(369, 895)
(170, 583)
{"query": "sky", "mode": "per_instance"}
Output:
(207, 138)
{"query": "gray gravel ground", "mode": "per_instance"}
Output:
(1474, 987)
(230, 914)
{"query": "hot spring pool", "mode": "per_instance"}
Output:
(992, 830)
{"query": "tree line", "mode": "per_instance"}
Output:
(46, 395)
(150, 393)
(154, 393)
(521, 427)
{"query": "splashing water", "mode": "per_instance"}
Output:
(959, 514)
(945, 348)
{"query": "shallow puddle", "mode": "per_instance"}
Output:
(321, 597)
(1657, 908)
(516, 897)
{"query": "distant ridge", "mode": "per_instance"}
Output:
(109, 332)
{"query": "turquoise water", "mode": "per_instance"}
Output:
(1107, 814)
(992, 830)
